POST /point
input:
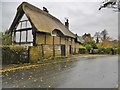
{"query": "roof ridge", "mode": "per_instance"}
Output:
(38, 10)
(53, 22)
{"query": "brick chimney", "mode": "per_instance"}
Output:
(67, 23)
(45, 9)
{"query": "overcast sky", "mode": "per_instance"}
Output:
(84, 17)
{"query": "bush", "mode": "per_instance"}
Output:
(82, 50)
(108, 50)
(95, 51)
(101, 50)
(118, 51)
(13, 54)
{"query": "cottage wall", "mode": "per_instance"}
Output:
(48, 51)
(40, 38)
(62, 40)
(45, 48)
(49, 39)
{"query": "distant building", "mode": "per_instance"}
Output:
(87, 37)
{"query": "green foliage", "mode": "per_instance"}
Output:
(17, 48)
(6, 38)
(1, 35)
(82, 50)
(119, 50)
(12, 54)
(108, 50)
(90, 45)
(95, 51)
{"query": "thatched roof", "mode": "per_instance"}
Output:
(43, 21)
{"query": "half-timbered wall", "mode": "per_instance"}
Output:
(22, 34)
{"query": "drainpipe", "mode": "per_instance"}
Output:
(53, 48)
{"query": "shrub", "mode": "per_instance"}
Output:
(13, 54)
(118, 51)
(101, 50)
(82, 50)
(108, 50)
(95, 51)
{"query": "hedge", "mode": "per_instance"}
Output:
(13, 54)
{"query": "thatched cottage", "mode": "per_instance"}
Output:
(36, 27)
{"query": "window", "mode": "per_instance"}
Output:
(23, 36)
(17, 36)
(23, 23)
(24, 32)
(30, 36)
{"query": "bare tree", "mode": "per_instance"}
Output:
(97, 37)
(115, 4)
(104, 35)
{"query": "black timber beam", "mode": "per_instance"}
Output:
(23, 42)
(24, 29)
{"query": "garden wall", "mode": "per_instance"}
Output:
(39, 53)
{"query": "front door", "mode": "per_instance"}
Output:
(70, 49)
(62, 50)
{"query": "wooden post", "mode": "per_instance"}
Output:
(34, 36)
(66, 46)
(14, 37)
(53, 48)
(21, 25)
(20, 33)
(26, 35)
(45, 38)
(42, 51)
(28, 53)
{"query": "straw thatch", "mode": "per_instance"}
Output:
(42, 21)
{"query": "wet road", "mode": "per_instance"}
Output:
(84, 72)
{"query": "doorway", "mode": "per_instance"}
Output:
(63, 50)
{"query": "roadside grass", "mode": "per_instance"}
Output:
(13, 67)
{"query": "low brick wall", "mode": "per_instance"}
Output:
(35, 53)
(57, 51)
(39, 53)
(48, 51)
(32, 54)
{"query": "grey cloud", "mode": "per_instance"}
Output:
(84, 17)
